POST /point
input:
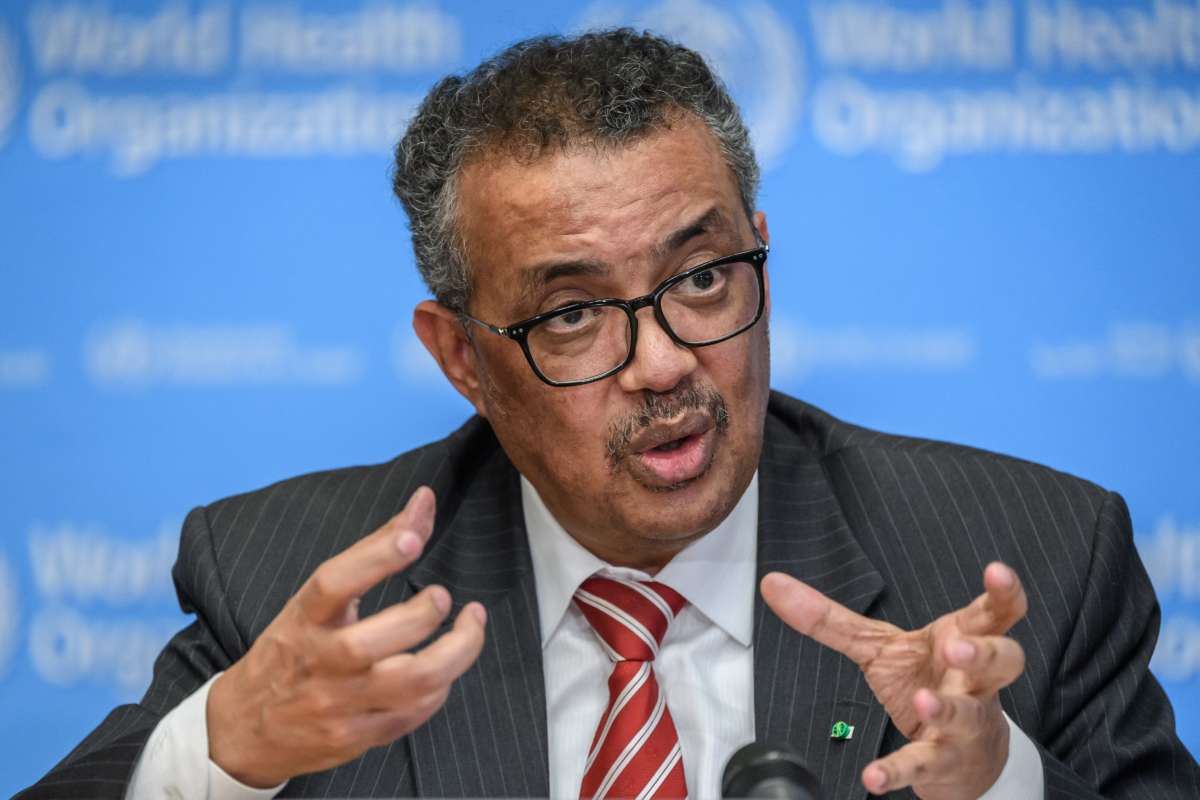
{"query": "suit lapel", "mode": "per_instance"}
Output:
(489, 739)
(800, 687)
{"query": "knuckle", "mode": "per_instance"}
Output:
(423, 675)
(284, 656)
(430, 702)
(321, 582)
(1015, 663)
(323, 705)
(393, 728)
(351, 650)
(338, 734)
(431, 612)
(402, 722)
(1018, 658)
(946, 759)
(305, 665)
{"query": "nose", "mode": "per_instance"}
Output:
(659, 364)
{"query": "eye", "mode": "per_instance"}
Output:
(580, 319)
(703, 280)
(705, 283)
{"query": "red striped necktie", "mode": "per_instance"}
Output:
(635, 752)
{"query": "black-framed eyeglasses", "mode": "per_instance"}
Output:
(584, 342)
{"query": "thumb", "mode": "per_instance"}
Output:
(811, 613)
(418, 513)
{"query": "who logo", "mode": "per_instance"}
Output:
(10, 81)
(9, 612)
(751, 47)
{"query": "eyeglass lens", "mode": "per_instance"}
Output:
(710, 305)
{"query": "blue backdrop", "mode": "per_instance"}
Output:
(205, 284)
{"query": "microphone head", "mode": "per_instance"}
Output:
(770, 771)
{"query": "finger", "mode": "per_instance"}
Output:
(349, 734)
(382, 727)
(950, 714)
(1001, 606)
(333, 585)
(830, 623)
(407, 677)
(915, 763)
(988, 663)
(391, 631)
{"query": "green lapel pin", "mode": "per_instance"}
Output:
(841, 731)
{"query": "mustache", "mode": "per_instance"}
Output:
(666, 406)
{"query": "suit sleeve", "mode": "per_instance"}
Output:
(102, 764)
(1109, 731)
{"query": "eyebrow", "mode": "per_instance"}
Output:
(710, 221)
(540, 275)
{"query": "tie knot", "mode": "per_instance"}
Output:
(630, 617)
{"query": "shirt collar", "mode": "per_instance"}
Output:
(715, 572)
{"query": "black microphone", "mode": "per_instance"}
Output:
(766, 770)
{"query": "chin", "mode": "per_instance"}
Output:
(684, 511)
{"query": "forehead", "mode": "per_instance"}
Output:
(609, 204)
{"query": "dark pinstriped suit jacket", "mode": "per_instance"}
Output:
(896, 528)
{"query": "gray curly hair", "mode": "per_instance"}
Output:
(550, 92)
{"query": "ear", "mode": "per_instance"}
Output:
(760, 225)
(440, 330)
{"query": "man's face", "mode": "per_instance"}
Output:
(638, 464)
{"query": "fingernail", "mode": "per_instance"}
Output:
(421, 498)
(962, 651)
(1008, 578)
(774, 581)
(480, 613)
(876, 779)
(409, 544)
(441, 599)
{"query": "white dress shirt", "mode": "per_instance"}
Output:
(705, 668)
(705, 665)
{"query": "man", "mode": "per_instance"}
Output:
(604, 522)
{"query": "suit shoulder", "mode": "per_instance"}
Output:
(907, 460)
(298, 522)
(424, 464)
(937, 513)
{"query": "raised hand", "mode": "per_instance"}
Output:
(939, 684)
(320, 686)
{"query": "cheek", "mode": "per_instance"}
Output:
(741, 374)
(740, 368)
(549, 431)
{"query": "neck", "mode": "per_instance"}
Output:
(647, 547)
(649, 557)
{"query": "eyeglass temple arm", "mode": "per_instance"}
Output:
(505, 332)
(758, 238)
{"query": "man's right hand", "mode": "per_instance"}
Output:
(320, 686)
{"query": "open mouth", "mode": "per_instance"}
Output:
(667, 461)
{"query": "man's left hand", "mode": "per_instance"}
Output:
(939, 684)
